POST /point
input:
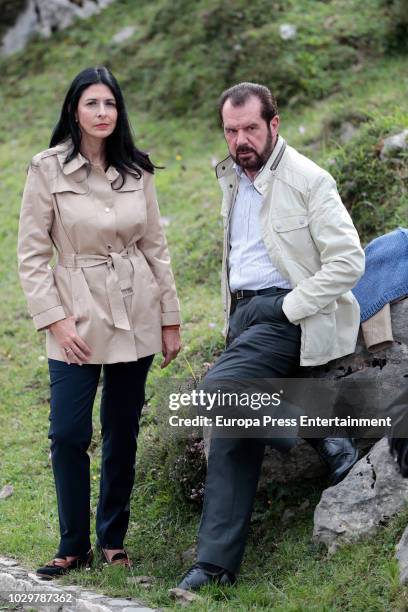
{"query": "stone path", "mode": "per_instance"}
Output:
(18, 584)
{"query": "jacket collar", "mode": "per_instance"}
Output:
(78, 162)
(271, 165)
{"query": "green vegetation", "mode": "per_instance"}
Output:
(344, 66)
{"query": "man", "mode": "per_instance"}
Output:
(291, 256)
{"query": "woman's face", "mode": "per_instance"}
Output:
(97, 113)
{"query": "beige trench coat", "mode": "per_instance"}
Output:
(112, 267)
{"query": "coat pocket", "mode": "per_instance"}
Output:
(73, 200)
(81, 295)
(293, 236)
(319, 334)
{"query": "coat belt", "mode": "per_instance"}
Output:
(118, 279)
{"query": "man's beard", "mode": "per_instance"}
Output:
(257, 160)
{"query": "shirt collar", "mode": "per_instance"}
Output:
(238, 169)
(242, 176)
(240, 172)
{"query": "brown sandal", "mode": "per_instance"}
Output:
(120, 558)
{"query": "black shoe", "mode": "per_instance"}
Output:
(197, 577)
(60, 566)
(339, 454)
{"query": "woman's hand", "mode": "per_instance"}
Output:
(74, 349)
(171, 343)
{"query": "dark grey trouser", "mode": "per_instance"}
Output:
(261, 345)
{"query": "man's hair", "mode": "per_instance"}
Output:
(239, 95)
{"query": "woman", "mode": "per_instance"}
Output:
(110, 300)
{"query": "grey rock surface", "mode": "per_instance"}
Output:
(185, 597)
(16, 37)
(123, 35)
(347, 131)
(383, 374)
(402, 557)
(15, 579)
(44, 17)
(287, 31)
(393, 145)
(371, 493)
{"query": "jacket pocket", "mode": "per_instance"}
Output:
(81, 295)
(293, 236)
(73, 201)
(319, 334)
(67, 184)
(131, 183)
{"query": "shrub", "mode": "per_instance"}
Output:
(373, 189)
(192, 51)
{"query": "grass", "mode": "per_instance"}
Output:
(282, 569)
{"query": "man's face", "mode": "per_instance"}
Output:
(249, 137)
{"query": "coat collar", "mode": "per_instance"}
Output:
(79, 161)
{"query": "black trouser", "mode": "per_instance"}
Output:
(73, 390)
(261, 345)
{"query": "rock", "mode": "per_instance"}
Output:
(402, 557)
(287, 515)
(16, 37)
(6, 491)
(8, 562)
(301, 463)
(382, 370)
(287, 31)
(184, 597)
(123, 35)
(371, 493)
(347, 131)
(17, 579)
(44, 17)
(393, 145)
(118, 603)
(143, 581)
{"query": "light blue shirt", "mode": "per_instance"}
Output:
(250, 266)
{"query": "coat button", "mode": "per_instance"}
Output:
(110, 247)
(230, 186)
(278, 226)
(107, 209)
(301, 221)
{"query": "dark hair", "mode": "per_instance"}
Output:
(121, 151)
(239, 94)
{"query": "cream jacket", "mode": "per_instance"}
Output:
(312, 241)
(111, 267)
